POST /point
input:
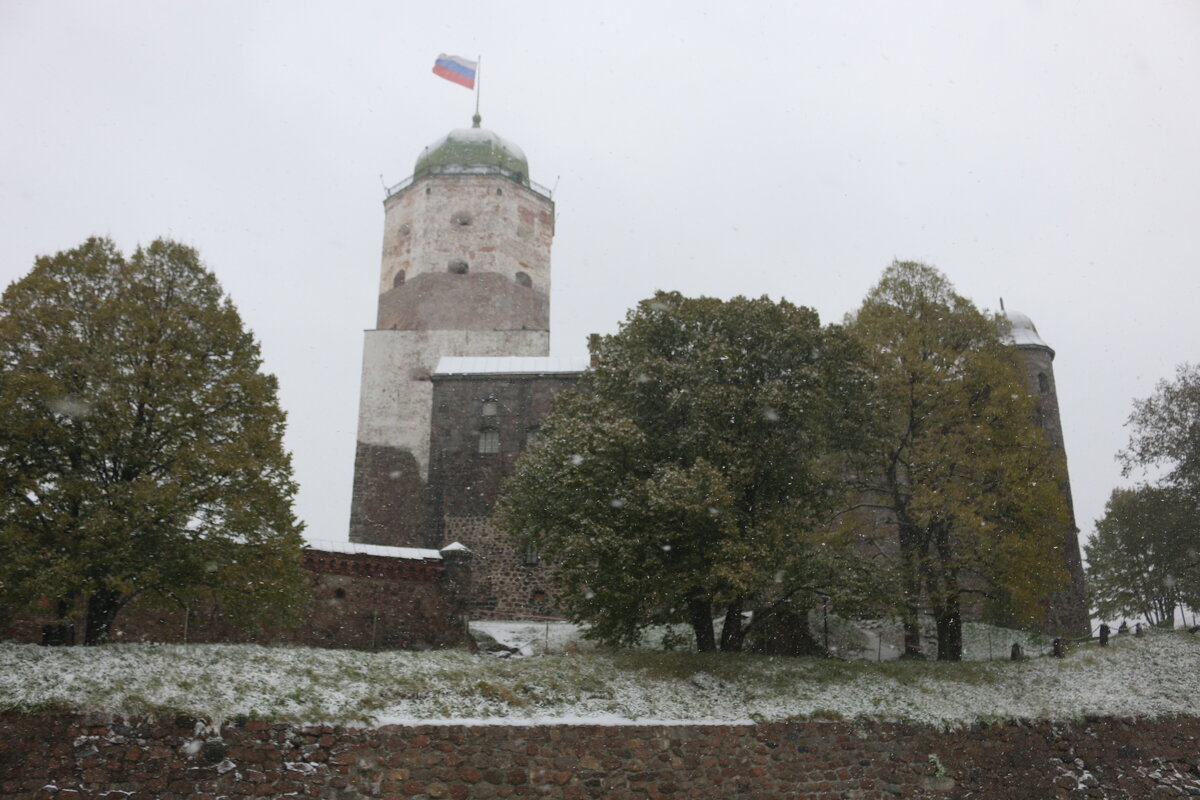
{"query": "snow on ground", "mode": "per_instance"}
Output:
(872, 640)
(1147, 677)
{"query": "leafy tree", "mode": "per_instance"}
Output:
(1166, 431)
(1165, 437)
(141, 446)
(692, 470)
(956, 469)
(1144, 559)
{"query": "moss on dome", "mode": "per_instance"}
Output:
(470, 151)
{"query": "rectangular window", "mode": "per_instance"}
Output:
(489, 441)
(531, 556)
(490, 408)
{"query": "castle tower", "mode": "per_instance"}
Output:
(1067, 611)
(465, 272)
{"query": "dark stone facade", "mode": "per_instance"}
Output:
(1067, 611)
(389, 505)
(464, 483)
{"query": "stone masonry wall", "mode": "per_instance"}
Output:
(503, 581)
(1067, 611)
(65, 756)
(358, 601)
(464, 484)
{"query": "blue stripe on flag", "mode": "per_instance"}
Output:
(466, 69)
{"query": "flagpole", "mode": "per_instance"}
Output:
(478, 83)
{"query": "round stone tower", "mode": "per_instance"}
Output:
(1067, 610)
(465, 272)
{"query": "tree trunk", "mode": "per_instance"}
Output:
(102, 608)
(943, 592)
(909, 558)
(61, 632)
(700, 613)
(1166, 617)
(949, 630)
(732, 632)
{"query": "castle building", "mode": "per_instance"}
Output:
(465, 272)
(1067, 610)
(465, 275)
(456, 373)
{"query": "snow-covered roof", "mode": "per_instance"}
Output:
(510, 365)
(354, 548)
(1023, 332)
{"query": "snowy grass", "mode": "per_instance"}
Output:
(1149, 677)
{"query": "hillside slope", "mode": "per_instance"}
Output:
(1148, 677)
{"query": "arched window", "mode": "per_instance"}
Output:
(1043, 383)
(398, 278)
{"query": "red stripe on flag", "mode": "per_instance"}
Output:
(451, 75)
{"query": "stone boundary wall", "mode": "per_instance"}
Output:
(71, 756)
(359, 601)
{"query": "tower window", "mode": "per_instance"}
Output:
(457, 267)
(489, 442)
(531, 557)
(1043, 383)
(399, 278)
(405, 229)
(499, 191)
(461, 219)
(523, 279)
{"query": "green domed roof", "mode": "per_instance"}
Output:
(473, 151)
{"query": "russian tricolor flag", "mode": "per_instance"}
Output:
(456, 69)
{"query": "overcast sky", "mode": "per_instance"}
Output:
(1043, 152)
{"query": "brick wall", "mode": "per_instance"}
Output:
(64, 756)
(359, 601)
